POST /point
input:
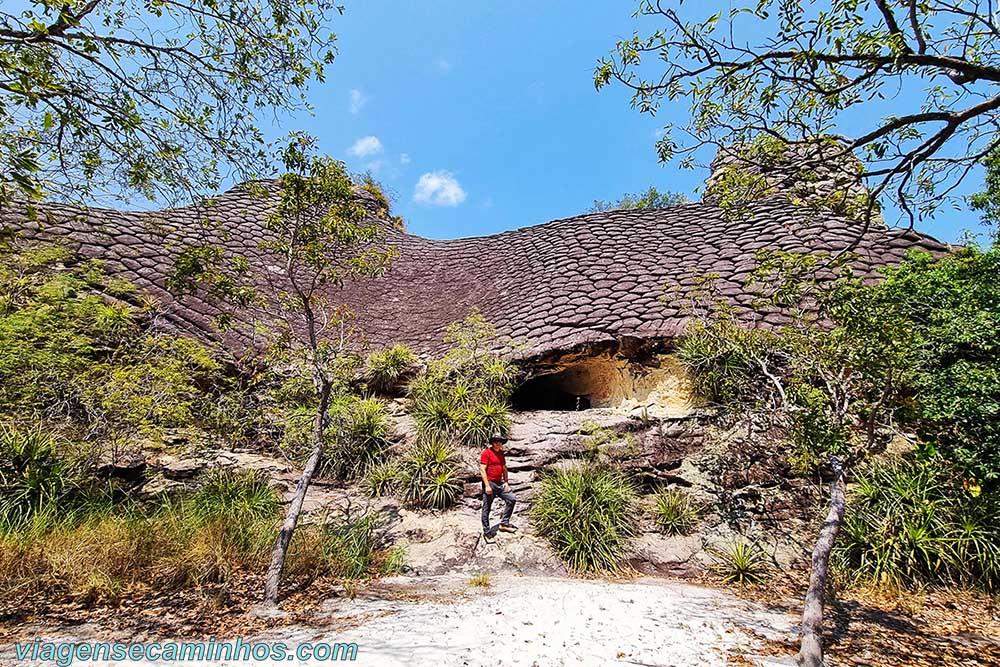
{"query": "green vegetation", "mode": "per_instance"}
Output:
(356, 550)
(917, 350)
(651, 198)
(910, 522)
(675, 512)
(741, 563)
(794, 69)
(429, 474)
(360, 440)
(80, 356)
(382, 479)
(464, 395)
(589, 515)
(92, 548)
(137, 100)
(385, 369)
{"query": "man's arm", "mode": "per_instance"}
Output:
(486, 480)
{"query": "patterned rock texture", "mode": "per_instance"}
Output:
(583, 282)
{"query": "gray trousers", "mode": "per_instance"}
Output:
(508, 499)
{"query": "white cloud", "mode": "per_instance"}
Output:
(365, 146)
(443, 65)
(404, 158)
(358, 101)
(374, 166)
(438, 188)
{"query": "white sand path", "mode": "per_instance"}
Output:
(536, 621)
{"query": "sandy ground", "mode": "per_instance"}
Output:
(536, 621)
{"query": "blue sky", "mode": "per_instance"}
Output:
(482, 117)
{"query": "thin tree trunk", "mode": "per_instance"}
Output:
(273, 581)
(811, 648)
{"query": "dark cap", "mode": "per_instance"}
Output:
(498, 437)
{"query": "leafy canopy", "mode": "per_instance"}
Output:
(651, 198)
(858, 361)
(810, 68)
(155, 98)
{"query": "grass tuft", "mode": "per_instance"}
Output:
(675, 512)
(589, 515)
(741, 563)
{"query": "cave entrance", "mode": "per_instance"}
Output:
(662, 389)
(550, 392)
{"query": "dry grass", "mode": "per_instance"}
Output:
(480, 581)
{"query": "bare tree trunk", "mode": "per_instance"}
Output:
(811, 648)
(273, 581)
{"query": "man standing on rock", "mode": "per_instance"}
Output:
(493, 470)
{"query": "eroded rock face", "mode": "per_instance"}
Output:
(559, 287)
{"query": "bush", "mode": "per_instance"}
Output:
(675, 512)
(386, 368)
(382, 479)
(437, 418)
(741, 563)
(910, 522)
(360, 440)
(429, 474)
(32, 475)
(465, 394)
(356, 550)
(96, 370)
(589, 515)
(483, 419)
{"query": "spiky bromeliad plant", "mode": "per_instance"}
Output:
(429, 474)
(912, 522)
(675, 512)
(384, 369)
(741, 563)
(464, 394)
(589, 515)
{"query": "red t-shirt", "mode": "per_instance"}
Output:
(494, 462)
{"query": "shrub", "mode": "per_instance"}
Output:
(382, 479)
(741, 563)
(465, 394)
(385, 369)
(429, 474)
(483, 419)
(33, 475)
(910, 522)
(94, 369)
(356, 550)
(480, 581)
(589, 515)
(676, 513)
(437, 418)
(360, 440)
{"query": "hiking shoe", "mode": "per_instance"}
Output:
(508, 528)
(489, 533)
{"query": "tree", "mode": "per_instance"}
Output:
(157, 98)
(810, 70)
(859, 363)
(651, 198)
(320, 237)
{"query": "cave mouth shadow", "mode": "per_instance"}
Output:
(549, 392)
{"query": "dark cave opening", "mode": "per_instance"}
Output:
(549, 392)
